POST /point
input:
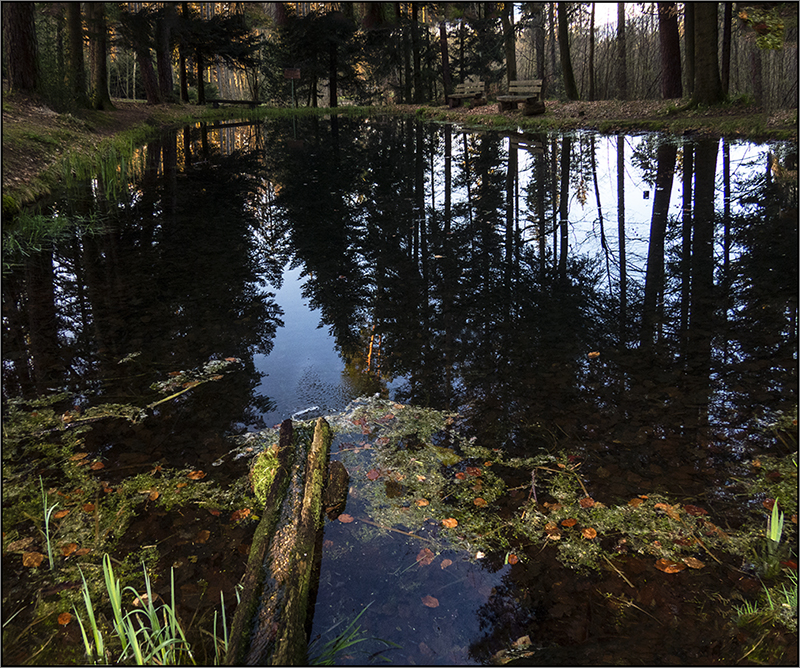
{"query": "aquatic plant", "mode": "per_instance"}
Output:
(48, 512)
(325, 654)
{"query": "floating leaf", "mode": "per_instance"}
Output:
(450, 522)
(669, 510)
(202, 536)
(373, 474)
(695, 510)
(488, 463)
(20, 545)
(79, 455)
(635, 502)
(83, 551)
(461, 475)
(88, 507)
(691, 562)
(445, 563)
(214, 512)
(97, 466)
(480, 502)
(551, 526)
(60, 514)
(512, 559)
(153, 495)
(425, 557)
(422, 502)
(32, 559)
(593, 355)
(768, 504)
(473, 470)
(344, 518)
(237, 515)
(195, 475)
(64, 618)
(569, 522)
(589, 533)
(430, 602)
(669, 566)
(67, 550)
(586, 502)
(181, 484)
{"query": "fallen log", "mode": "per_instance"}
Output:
(269, 626)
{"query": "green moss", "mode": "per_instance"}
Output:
(262, 473)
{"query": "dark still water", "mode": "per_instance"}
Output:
(633, 296)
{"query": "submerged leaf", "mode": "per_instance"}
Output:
(430, 602)
(32, 559)
(669, 566)
(480, 502)
(586, 502)
(589, 533)
(569, 522)
(425, 557)
(373, 474)
(691, 562)
(195, 475)
(64, 618)
(344, 518)
(445, 563)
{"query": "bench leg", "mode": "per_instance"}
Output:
(506, 106)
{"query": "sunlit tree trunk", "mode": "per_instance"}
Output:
(570, 89)
(669, 41)
(21, 56)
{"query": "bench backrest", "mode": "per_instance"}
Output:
(522, 86)
(471, 88)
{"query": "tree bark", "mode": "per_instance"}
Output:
(707, 86)
(418, 92)
(76, 74)
(509, 42)
(98, 41)
(333, 69)
(622, 55)
(19, 32)
(669, 41)
(570, 89)
(591, 56)
(446, 79)
(756, 71)
(163, 30)
(688, 32)
(201, 88)
(149, 80)
(725, 65)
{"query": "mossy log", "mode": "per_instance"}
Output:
(269, 624)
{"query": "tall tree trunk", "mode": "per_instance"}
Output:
(623, 258)
(509, 42)
(163, 30)
(570, 89)
(418, 92)
(756, 70)
(182, 49)
(537, 13)
(688, 36)
(76, 73)
(725, 65)
(201, 87)
(552, 22)
(669, 41)
(19, 32)
(149, 80)
(622, 54)
(406, 62)
(591, 56)
(563, 204)
(333, 78)
(707, 86)
(98, 39)
(446, 79)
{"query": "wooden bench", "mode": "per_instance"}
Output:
(473, 91)
(529, 92)
(251, 103)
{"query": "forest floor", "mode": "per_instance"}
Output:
(37, 139)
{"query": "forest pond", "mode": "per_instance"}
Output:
(623, 307)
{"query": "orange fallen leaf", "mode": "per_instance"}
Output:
(425, 557)
(635, 502)
(586, 502)
(60, 514)
(422, 502)
(373, 474)
(450, 522)
(64, 618)
(593, 355)
(97, 466)
(695, 510)
(67, 550)
(589, 533)
(231, 359)
(214, 512)
(569, 522)
(768, 504)
(153, 495)
(445, 563)
(691, 562)
(488, 463)
(79, 455)
(181, 484)
(551, 526)
(82, 551)
(461, 475)
(237, 515)
(668, 566)
(430, 602)
(202, 536)
(480, 502)
(195, 475)
(88, 507)
(32, 559)
(344, 518)
(513, 558)
(473, 470)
